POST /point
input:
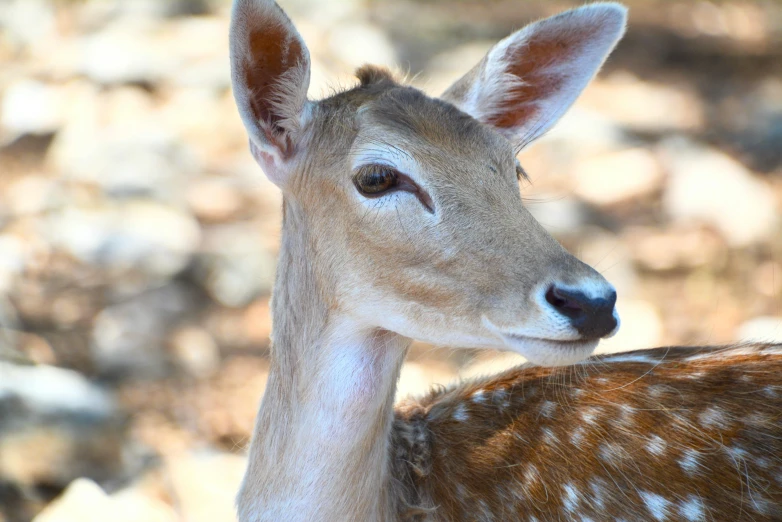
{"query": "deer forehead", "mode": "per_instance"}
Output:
(404, 128)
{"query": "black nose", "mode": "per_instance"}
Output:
(593, 318)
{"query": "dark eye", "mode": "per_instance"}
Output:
(375, 180)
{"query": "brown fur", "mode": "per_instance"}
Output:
(534, 431)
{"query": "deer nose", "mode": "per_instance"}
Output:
(592, 317)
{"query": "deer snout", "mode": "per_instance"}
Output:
(593, 316)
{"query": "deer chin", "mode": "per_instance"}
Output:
(550, 352)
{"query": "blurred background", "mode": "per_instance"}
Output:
(138, 238)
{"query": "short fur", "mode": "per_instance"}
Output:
(359, 277)
(696, 428)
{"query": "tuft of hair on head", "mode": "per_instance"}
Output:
(374, 75)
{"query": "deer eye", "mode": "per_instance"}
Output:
(375, 180)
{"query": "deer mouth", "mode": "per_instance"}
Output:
(550, 352)
(555, 343)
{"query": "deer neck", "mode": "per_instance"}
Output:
(320, 447)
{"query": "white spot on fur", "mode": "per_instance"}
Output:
(485, 510)
(547, 409)
(656, 391)
(656, 504)
(500, 395)
(757, 420)
(612, 453)
(571, 499)
(735, 453)
(598, 493)
(530, 476)
(692, 510)
(549, 437)
(590, 415)
(577, 437)
(478, 395)
(460, 413)
(656, 445)
(690, 461)
(626, 413)
(762, 462)
(713, 417)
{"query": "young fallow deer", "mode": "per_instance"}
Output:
(403, 220)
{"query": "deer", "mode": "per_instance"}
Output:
(402, 220)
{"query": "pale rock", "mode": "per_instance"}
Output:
(359, 43)
(760, 329)
(47, 390)
(641, 327)
(214, 199)
(205, 485)
(129, 337)
(56, 426)
(708, 186)
(579, 135)
(675, 247)
(140, 235)
(199, 44)
(35, 349)
(85, 501)
(195, 350)
(234, 266)
(131, 506)
(644, 105)
(126, 52)
(446, 68)
(30, 106)
(127, 160)
(118, 141)
(9, 322)
(13, 259)
(32, 194)
(768, 278)
(325, 12)
(616, 177)
(28, 23)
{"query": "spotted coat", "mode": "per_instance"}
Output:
(691, 434)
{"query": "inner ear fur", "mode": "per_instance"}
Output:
(270, 72)
(528, 80)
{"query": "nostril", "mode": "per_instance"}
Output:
(564, 302)
(593, 317)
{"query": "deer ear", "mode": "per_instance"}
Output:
(270, 73)
(528, 80)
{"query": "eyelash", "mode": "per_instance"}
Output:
(390, 180)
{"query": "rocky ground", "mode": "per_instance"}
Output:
(138, 238)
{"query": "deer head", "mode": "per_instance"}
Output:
(407, 209)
